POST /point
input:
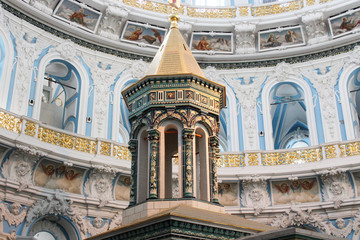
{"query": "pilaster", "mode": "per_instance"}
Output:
(154, 136)
(188, 180)
(214, 156)
(133, 146)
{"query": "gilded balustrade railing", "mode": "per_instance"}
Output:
(30, 127)
(44, 133)
(226, 12)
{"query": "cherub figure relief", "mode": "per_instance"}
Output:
(13, 216)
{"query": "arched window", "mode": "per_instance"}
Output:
(223, 134)
(201, 165)
(288, 116)
(61, 96)
(354, 100)
(171, 168)
(6, 56)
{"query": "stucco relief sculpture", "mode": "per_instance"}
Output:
(45, 6)
(19, 168)
(28, 48)
(97, 226)
(299, 217)
(15, 216)
(283, 71)
(247, 95)
(245, 38)
(255, 194)
(137, 69)
(66, 49)
(316, 29)
(103, 76)
(116, 221)
(324, 81)
(341, 228)
(110, 26)
(354, 56)
(99, 184)
(55, 205)
(336, 186)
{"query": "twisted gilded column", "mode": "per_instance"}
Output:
(214, 156)
(188, 180)
(133, 146)
(153, 136)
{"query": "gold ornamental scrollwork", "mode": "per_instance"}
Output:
(66, 140)
(349, 149)
(294, 157)
(121, 152)
(244, 11)
(253, 159)
(310, 2)
(152, 6)
(330, 151)
(212, 12)
(231, 160)
(276, 8)
(105, 148)
(30, 128)
(10, 123)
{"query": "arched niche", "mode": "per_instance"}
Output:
(349, 85)
(201, 164)
(64, 72)
(61, 95)
(170, 174)
(275, 97)
(6, 64)
(57, 226)
(120, 122)
(288, 115)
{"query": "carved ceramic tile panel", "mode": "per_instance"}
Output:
(228, 194)
(54, 175)
(296, 191)
(356, 178)
(122, 188)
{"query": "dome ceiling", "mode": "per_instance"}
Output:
(230, 34)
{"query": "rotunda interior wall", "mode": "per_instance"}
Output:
(320, 182)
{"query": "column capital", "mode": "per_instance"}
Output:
(188, 133)
(153, 134)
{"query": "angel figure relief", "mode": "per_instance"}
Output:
(296, 191)
(97, 226)
(13, 215)
(341, 229)
(58, 176)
